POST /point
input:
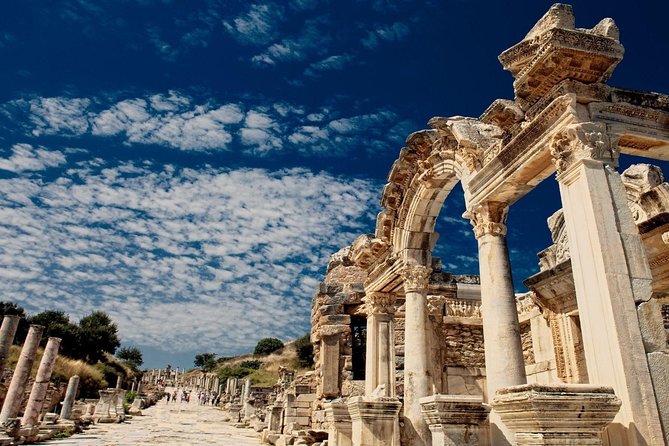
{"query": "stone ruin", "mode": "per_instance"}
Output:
(28, 405)
(409, 354)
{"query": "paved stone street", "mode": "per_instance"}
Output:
(167, 424)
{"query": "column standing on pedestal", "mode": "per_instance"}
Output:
(41, 384)
(418, 380)
(504, 362)
(14, 397)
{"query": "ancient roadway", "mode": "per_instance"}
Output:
(183, 424)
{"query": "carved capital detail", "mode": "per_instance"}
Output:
(585, 140)
(490, 218)
(380, 303)
(416, 277)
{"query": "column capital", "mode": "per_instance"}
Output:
(489, 218)
(582, 141)
(416, 277)
(380, 303)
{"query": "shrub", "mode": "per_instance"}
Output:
(268, 345)
(233, 372)
(305, 352)
(252, 364)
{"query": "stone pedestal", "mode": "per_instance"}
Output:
(561, 414)
(374, 422)
(340, 431)
(454, 420)
(274, 416)
(235, 411)
(106, 410)
(41, 384)
(14, 398)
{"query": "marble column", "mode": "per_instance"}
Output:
(380, 354)
(119, 382)
(611, 276)
(14, 397)
(139, 388)
(70, 396)
(504, 362)
(418, 379)
(7, 332)
(41, 384)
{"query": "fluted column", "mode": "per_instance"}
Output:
(7, 333)
(418, 380)
(14, 397)
(41, 384)
(70, 396)
(380, 353)
(505, 365)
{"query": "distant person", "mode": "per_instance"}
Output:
(168, 396)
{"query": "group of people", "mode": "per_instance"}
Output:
(183, 395)
(203, 398)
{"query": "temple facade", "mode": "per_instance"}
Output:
(409, 354)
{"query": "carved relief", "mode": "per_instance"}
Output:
(586, 140)
(416, 278)
(380, 303)
(490, 218)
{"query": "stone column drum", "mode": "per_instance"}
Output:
(7, 332)
(41, 384)
(70, 396)
(14, 398)
(505, 365)
(418, 380)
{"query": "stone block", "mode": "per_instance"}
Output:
(652, 326)
(327, 310)
(335, 319)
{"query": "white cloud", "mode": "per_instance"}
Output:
(257, 25)
(201, 251)
(394, 32)
(58, 115)
(25, 157)
(331, 63)
(311, 40)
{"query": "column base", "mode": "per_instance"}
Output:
(454, 420)
(374, 422)
(556, 414)
(341, 426)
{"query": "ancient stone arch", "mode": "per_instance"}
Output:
(564, 121)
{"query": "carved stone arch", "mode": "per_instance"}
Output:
(413, 235)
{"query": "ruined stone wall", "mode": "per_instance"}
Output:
(462, 345)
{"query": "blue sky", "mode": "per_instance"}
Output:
(188, 167)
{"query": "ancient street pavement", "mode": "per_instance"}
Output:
(183, 424)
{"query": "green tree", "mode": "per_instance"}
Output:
(267, 345)
(205, 361)
(305, 352)
(98, 335)
(57, 324)
(131, 355)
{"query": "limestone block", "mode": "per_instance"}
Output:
(556, 414)
(652, 326)
(331, 309)
(335, 319)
